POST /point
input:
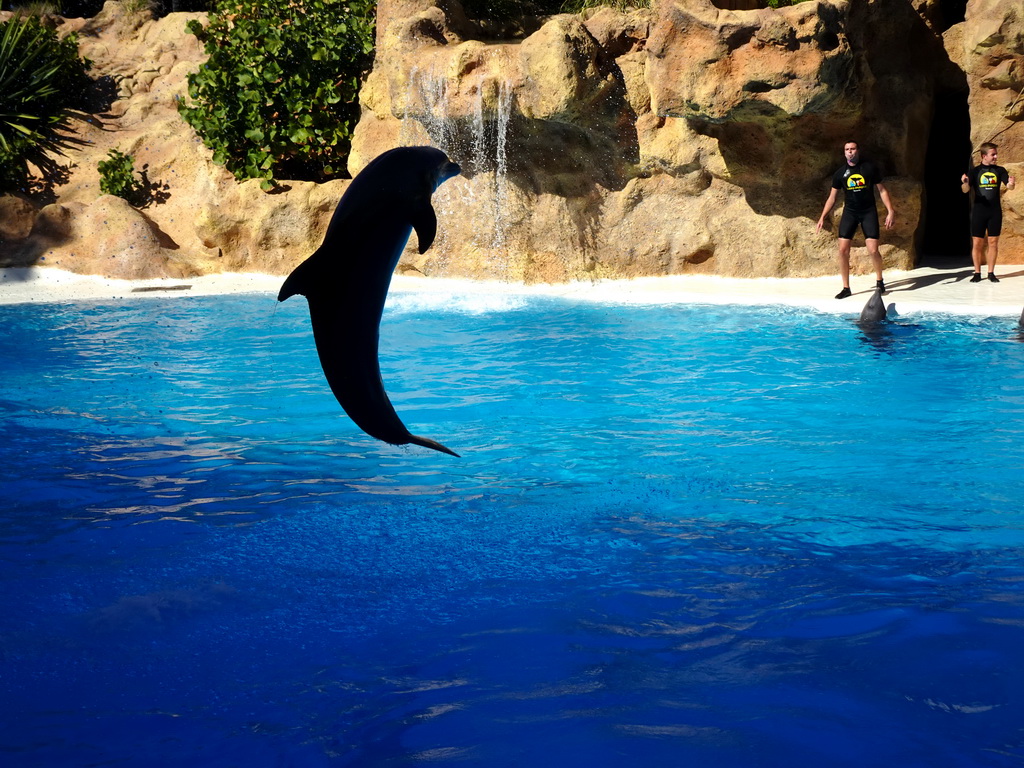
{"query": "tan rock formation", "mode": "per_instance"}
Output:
(689, 139)
(248, 227)
(17, 215)
(749, 66)
(695, 137)
(197, 219)
(989, 45)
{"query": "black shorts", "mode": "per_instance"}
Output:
(868, 221)
(986, 220)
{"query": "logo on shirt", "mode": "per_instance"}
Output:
(988, 180)
(855, 181)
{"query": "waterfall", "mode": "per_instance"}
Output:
(500, 198)
(427, 105)
(477, 138)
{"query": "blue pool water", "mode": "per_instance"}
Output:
(678, 536)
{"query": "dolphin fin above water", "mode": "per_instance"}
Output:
(346, 280)
(874, 311)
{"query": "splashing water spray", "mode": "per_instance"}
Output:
(478, 140)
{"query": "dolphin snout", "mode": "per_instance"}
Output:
(450, 169)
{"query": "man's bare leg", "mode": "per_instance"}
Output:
(876, 258)
(977, 247)
(990, 258)
(844, 266)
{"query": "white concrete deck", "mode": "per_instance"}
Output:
(916, 291)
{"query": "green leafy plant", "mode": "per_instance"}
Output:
(132, 7)
(575, 6)
(40, 75)
(38, 8)
(501, 10)
(278, 96)
(117, 176)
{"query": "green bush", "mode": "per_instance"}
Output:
(36, 7)
(278, 96)
(575, 6)
(117, 176)
(500, 10)
(40, 76)
(503, 10)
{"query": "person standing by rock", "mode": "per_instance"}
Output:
(858, 179)
(986, 179)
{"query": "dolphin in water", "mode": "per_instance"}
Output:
(346, 280)
(874, 311)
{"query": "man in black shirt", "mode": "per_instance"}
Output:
(858, 179)
(986, 180)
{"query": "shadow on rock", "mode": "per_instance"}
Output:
(149, 192)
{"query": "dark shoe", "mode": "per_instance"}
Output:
(992, 278)
(880, 284)
(844, 293)
(976, 278)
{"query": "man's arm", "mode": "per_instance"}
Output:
(890, 217)
(965, 183)
(828, 207)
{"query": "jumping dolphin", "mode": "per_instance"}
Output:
(874, 311)
(346, 280)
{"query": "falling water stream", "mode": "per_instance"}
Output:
(478, 141)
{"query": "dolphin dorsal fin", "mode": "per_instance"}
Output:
(300, 281)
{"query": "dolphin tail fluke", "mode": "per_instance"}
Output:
(426, 442)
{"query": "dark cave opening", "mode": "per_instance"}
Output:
(953, 12)
(944, 237)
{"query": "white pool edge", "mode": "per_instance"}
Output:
(925, 290)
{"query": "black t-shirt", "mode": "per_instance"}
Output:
(986, 181)
(858, 182)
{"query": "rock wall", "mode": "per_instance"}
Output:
(692, 137)
(989, 48)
